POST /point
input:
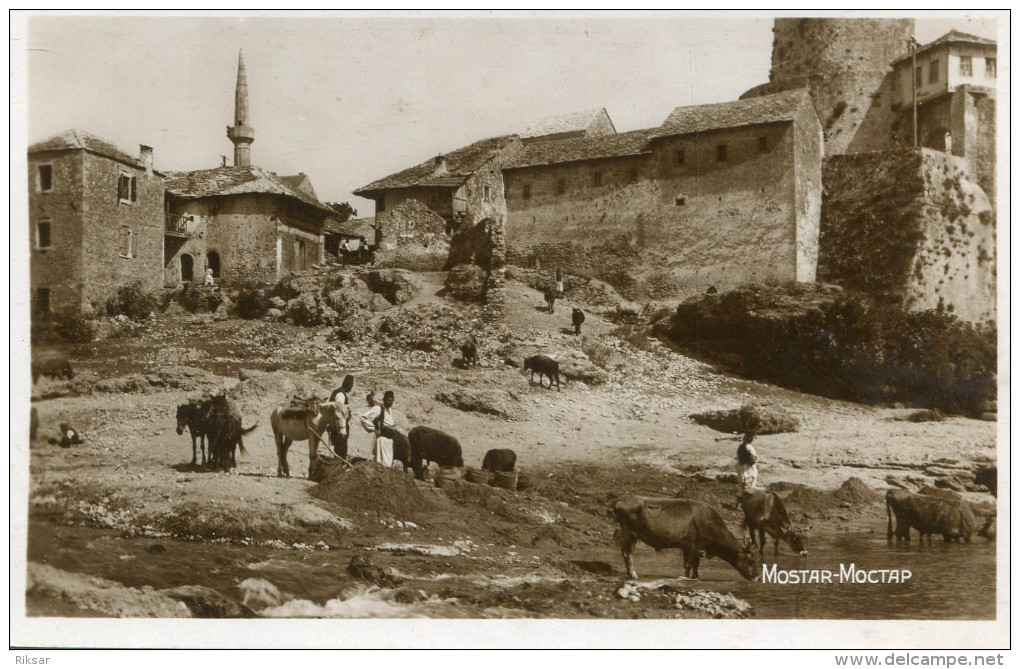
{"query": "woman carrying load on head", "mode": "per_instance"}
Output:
(342, 394)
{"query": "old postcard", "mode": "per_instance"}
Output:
(565, 329)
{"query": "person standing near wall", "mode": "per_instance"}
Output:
(559, 283)
(338, 441)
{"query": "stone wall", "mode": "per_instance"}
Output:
(104, 265)
(909, 226)
(807, 158)
(59, 267)
(414, 237)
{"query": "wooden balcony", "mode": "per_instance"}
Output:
(176, 225)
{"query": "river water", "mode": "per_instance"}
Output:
(954, 581)
(949, 581)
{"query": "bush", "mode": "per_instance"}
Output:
(597, 352)
(71, 327)
(251, 301)
(197, 298)
(845, 346)
(132, 301)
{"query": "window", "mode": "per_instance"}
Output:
(127, 242)
(486, 193)
(633, 175)
(966, 66)
(45, 178)
(596, 178)
(763, 143)
(380, 204)
(561, 186)
(126, 188)
(680, 157)
(679, 201)
(42, 300)
(43, 240)
(918, 78)
(933, 71)
(722, 153)
(990, 68)
(526, 191)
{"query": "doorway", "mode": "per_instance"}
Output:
(187, 267)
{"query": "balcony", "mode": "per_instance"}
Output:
(176, 225)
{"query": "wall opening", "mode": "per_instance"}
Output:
(187, 267)
(212, 261)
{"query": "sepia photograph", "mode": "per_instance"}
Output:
(673, 323)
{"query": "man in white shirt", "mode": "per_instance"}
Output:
(377, 420)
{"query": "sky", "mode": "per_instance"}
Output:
(348, 99)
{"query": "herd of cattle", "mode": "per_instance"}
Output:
(693, 526)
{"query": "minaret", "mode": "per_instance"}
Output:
(241, 134)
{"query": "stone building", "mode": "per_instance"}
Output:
(243, 223)
(95, 220)
(955, 83)
(101, 219)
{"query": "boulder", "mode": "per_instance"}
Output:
(772, 419)
(274, 315)
(467, 282)
(205, 602)
(489, 402)
(396, 285)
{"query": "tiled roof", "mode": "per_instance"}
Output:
(70, 140)
(764, 109)
(356, 227)
(584, 148)
(555, 125)
(459, 165)
(234, 181)
(952, 37)
(300, 182)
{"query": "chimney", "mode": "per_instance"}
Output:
(440, 165)
(145, 155)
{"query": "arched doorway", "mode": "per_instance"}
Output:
(187, 267)
(213, 263)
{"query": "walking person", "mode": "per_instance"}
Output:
(379, 421)
(559, 283)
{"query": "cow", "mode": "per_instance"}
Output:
(401, 446)
(191, 415)
(499, 460)
(689, 525)
(54, 367)
(988, 529)
(550, 300)
(431, 445)
(764, 513)
(988, 477)
(33, 424)
(577, 318)
(544, 365)
(224, 432)
(952, 518)
(469, 353)
(306, 424)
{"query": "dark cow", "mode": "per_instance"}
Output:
(577, 318)
(689, 525)
(499, 460)
(53, 367)
(222, 427)
(33, 424)
(545, 366)
(431, 445)
(550, 300)
(952, 518)
(191, 415)
(469, 353)
(988, 477)
(401, 446)
(764, 513)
